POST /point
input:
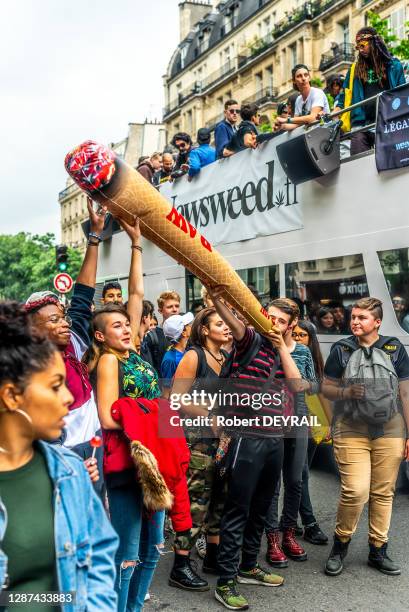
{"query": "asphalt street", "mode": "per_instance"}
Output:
(307, 588)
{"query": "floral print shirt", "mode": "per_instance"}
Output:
(138, 378)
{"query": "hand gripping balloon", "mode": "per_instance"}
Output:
(113, 183)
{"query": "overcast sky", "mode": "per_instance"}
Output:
(71, 70)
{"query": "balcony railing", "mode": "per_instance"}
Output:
(263, 96)
(68, 191)
(255, 48)
(344, 52)
(217, 75)
(306, 12)
(184, 95)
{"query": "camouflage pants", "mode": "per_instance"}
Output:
(206, 493)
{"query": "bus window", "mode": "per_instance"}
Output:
(395, 266)
(263, 282)
(326, 288)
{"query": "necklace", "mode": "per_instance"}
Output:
(220, 360)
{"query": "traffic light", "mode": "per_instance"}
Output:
(61, 257)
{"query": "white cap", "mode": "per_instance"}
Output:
(173, 326)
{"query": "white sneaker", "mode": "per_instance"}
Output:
(147, 596)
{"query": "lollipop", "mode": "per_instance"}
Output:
(96, 442)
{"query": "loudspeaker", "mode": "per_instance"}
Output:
(309, 156)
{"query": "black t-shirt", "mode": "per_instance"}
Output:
(372, 89)
(237, 140)
(340, 354)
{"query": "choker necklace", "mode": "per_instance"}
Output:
(220, 360)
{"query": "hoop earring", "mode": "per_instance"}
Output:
(23, 414)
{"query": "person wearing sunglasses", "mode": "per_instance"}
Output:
(374, 71)
(183, 143)
(246, 135)
(226, 128)
(69, 332)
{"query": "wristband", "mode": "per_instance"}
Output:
(137, 247)
(289, 120)
(94, 235)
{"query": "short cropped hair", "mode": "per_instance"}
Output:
(372, 304)
(110, 285)
(156, 155)
(248, 111)
(288, 306)
(229, 103)
(168, 295)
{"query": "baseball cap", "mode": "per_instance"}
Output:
(174, 325)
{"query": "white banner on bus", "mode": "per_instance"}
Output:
(238, 198)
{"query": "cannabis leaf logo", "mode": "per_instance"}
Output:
(279, 201)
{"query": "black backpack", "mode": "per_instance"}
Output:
(156, 346)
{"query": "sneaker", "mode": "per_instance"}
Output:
(259, 576)
(314, 535)
(335, 561)
(228, 596)
(291, 547)
(184, 575)
(275, 555)
(201, 546)
(147, 597)
(379, 560)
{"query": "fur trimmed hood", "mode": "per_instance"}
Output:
(156, 495)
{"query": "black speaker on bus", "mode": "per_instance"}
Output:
(310, 155)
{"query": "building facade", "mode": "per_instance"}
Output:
(245, 49)
(143, 139)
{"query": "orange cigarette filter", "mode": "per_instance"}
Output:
(113, 183)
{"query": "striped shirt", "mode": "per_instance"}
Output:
(250, 382)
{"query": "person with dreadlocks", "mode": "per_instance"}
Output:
(375, 70)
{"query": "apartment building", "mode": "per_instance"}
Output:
(142, 139)
(245, 49)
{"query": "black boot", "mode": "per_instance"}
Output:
(210, 561)
(184, 576)
(378, 559)
(314, 534)
(334, 564)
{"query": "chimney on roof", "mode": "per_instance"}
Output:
(190, 12)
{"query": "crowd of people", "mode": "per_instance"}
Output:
(243, 126)
(92, 459)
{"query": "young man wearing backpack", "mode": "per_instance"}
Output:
(369, 433)
(155, 345)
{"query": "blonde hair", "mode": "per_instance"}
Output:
(372, 304)
(167, 295)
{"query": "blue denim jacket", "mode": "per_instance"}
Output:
(85, 541)
(396, 77)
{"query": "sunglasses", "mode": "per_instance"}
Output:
(234, 111)
(363, 44)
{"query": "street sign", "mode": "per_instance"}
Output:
(63, 283)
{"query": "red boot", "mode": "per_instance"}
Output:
(291, 547)
(275, 555)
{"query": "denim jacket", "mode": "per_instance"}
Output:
(396, 77)
(85, 542)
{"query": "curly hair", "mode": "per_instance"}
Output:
(22, 352)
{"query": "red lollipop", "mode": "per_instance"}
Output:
(95, 442)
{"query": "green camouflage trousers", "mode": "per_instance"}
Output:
(206, 493)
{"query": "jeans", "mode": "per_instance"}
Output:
(368, 469)
(251, 483)
(295, 452)
(306, 510)
(139, 539)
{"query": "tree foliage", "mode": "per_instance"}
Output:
(399, 47)
(27, 264)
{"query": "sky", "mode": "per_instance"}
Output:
(72, 70)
